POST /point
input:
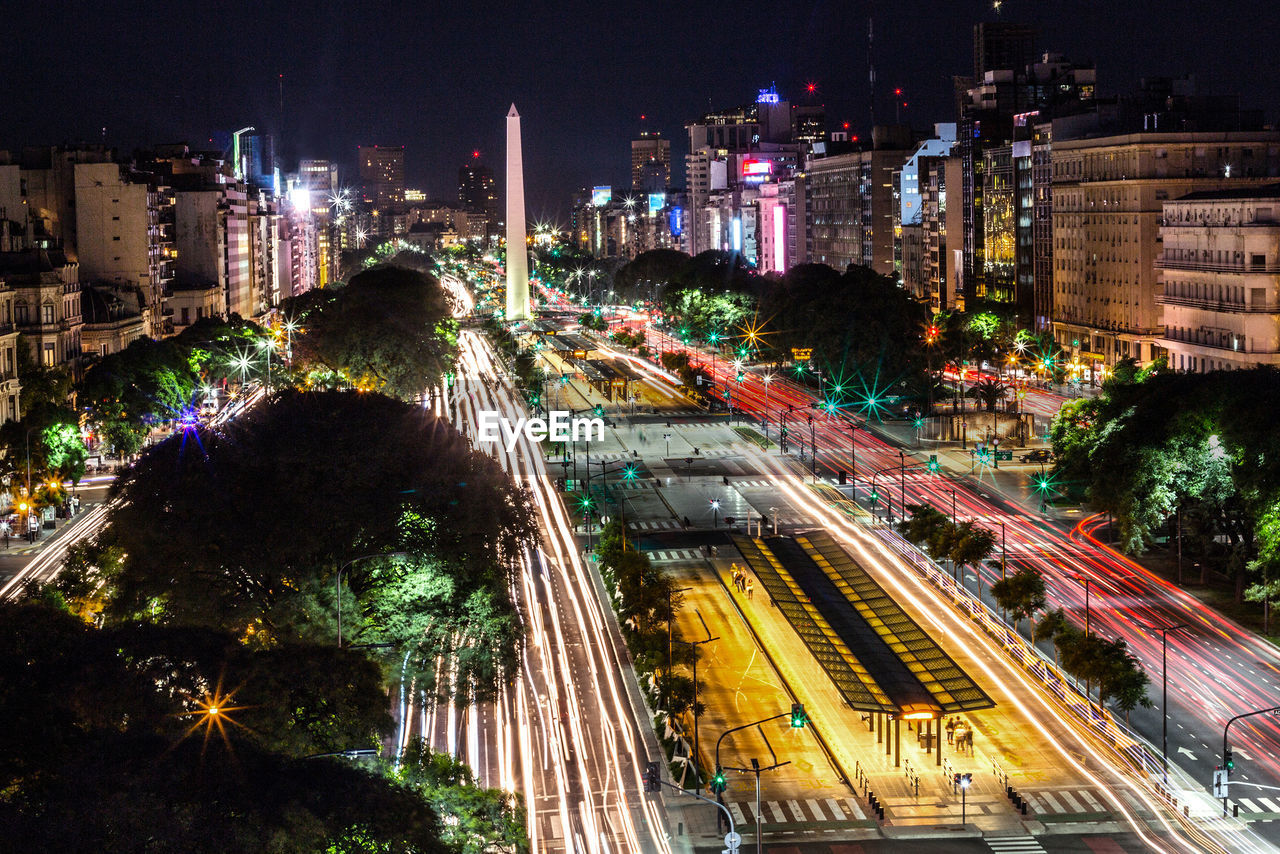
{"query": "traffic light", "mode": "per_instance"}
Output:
(874, 497)
(652, 780)
(629, 472)
(741, 376)
(718, 782)
(798, 717)
(933, 463)
(918, 423)
(599, 411)
(1228, 761)
(843, 476)
(533, 399)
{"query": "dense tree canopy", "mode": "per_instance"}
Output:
(866, 332)
(244, 528)
(106, 743)
(390, 330)
(1157, 442)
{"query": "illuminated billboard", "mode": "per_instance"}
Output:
(657, 201)
(675, 220)
(756, 170)
(601, 196)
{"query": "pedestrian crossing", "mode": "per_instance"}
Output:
(1258, 805)
(655, 525)
(1015, 845)
(797, 811)
(1064, 801)
(674, 555)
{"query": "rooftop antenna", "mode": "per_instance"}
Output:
(871, 67)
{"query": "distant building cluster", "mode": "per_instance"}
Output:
(97, 250)
(1140, 225)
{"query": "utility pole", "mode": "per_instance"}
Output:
(1164, 690)
(697, 787)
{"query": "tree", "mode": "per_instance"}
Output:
(1021, 594)
(280, 499)
(390, 330)
(866, 333)
(100, 749)
(971, 545)
(1048, 627)
(648, 273)
(474, 820)
(923, 525)
(991, 392)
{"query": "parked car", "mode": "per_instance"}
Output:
(1039, 455)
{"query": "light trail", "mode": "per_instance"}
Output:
(594, 737)
(873, 554)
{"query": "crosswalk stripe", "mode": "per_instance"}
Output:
(737, 813)
(1020, 843)
(1035, 804)
(775, 812)
(1052, 802)
(1248, 804)
(834, 806)
(855, 808)
(1071, 801)
(794, 806)
(1093, 802)
(816, 808)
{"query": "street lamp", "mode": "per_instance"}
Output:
(1164, 689)
(697, 787)
(338, 581)
(715, 513)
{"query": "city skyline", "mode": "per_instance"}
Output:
(343, 81)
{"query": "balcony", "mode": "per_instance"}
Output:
(1219, 344)
(1217, 305)
(1165, 263)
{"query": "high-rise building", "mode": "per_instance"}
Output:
(997, 112)
(1109, 195)
(124, 233)
(478, 193)
(808, 123)
(1001, 45)
(650, 163)
(319, 189)
(382, 175)
(258, 160)
(741, 147)
(1220, 270)
(851, 201)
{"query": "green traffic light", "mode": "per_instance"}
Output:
(798, 717)
(629, 473)
(718, 782)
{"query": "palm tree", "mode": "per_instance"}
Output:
(990, 391)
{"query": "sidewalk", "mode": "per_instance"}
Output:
(46, 537)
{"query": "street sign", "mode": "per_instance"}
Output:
(732, 840)
(801, 354)
(1004, 455)
(1220, 782)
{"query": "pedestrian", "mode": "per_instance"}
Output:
(751, 587)
(951, 730)
(6, 535)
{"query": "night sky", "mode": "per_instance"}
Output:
(438, 77)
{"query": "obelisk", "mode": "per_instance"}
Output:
(517, 252)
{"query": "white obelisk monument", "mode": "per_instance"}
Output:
(517, 252)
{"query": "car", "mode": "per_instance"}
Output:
(1039, 455)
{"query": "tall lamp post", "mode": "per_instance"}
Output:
(697, 787)
(338, 581)
(1164, 690)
